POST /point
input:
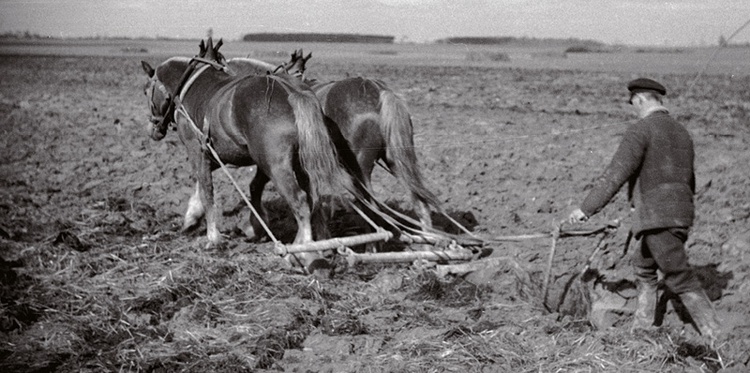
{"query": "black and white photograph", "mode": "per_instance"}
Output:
(386, 186)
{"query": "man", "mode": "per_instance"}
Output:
(655, 157)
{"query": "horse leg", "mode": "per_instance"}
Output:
(422, 210)
(256, 230)
(367, 166)
(195, 210)
(321, 213)
(288, 187)
(417, 201)
(206, 187)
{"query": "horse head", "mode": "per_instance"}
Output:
(159, 100)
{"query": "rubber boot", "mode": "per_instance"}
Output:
(645, 313)
(702, 312)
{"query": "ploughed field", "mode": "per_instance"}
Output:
(96, 276)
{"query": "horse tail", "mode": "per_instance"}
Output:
(317, 153)
(398, 133)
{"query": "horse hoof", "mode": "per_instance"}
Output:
(189, 227)
(320, 268)
(216, 245)
(247, 231)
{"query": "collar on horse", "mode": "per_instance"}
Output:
(216, 65)
(180, 108)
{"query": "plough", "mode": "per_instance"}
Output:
(343, 244)
(451, 248)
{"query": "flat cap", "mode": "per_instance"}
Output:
(645, 84)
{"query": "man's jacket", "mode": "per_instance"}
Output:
(656, 158)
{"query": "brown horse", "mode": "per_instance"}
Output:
(377, 124)
(247, 120)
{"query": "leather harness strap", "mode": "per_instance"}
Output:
(181, 108)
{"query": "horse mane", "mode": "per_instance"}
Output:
(248, 65)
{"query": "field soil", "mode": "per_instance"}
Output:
(96, 276)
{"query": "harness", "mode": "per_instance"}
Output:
(181, 108)
(163, 89)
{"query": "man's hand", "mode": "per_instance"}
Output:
(577, 216)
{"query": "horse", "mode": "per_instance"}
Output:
(261, 120)
(377, 123)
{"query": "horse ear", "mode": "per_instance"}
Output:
(210, 55)
(309, 55)
(148, 69)
(202, 47)
(218, 45)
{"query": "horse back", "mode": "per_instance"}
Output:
(354, 105)
(354, 95)
(251, 120)
(249, 66)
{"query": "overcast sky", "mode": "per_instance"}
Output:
(634, 22)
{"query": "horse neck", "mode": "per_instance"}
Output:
(170, 72)
(202, 83)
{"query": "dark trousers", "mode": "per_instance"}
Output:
(664, 249)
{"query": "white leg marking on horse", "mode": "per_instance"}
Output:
(195, 209)
(214, 237)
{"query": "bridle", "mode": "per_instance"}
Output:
(157, 84)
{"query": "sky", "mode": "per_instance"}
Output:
(631, 22)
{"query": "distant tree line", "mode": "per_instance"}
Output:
(318, 38)
(505, 40)
(476, 40)
(21, 35)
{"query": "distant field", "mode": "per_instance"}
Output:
(627, 59)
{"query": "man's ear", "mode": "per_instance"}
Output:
(637, 98)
